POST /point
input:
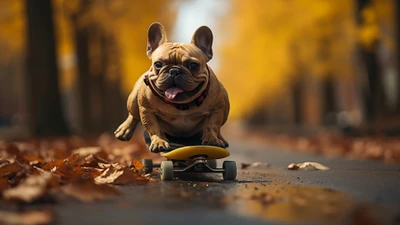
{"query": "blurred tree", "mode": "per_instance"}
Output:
(43, 97)
(110, 41)
(368, 50)
(397, 22)
(76, 10)
(275, 45)
(12, 39)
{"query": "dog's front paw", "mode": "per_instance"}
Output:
(212, 140)
(124, 132)
(158, 144)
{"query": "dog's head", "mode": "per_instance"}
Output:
(179, 71)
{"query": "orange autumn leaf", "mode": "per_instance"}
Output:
(123, 175)
(29, 190)
(51, 165)
(73, 159)
(138, 165)
(10, 169)
(129, 177)
(3, 183)
(32, 160)
(4, 162)
(93, 160)
(90, 173)
(30, 177)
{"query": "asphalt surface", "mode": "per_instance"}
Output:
(351, 192)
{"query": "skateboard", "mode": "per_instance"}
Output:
(183, 159)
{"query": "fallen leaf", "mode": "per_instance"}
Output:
(307, 166)
(26, 167)
(93, 161)
(114, 175)
(27, 218)
(109, 175)
(72, 159)
(4, 162)
(138, 165)
(32, 160)
(255, 165)
(10, 169)
(152, 180)
(91, 173)
(83, 152)
(130, 177)
(51, 165)
(12, 149)
(3, 183)
(108, 165)
(88, 191)
(29, 190)
(54, 181)
(70, 172)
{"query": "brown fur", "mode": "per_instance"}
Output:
(160, 118)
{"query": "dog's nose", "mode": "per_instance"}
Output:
(175, 71)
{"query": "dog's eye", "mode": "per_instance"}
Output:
(158, 65)
(193, 66)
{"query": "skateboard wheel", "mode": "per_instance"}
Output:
(167, 170)
(148, 163)
(212, 163)
(230, 170)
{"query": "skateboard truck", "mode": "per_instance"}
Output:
(192, 159)
(198, 164)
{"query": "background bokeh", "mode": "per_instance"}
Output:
(67, 66)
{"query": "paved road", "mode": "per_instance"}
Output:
(352, 192)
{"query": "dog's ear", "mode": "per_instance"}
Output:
(203, 39)
(156, 36)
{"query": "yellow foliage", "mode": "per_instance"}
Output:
(65, 43)
(127, 21)
(369, 32)
(385, 18)
(273, 41)
(12, 29)
(131, 32)
(266, 45)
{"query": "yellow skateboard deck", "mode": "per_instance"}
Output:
(186, 152)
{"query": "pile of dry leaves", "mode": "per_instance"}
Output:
(383, 148)
(38, 170)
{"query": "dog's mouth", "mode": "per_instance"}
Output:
(172, 92)
(176, 93)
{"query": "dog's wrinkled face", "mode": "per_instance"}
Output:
(179, 71)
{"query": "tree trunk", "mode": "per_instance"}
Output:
(114, 101)
(82, 53)
(45, 114)
(328, 100)
(297, 95)
(369, 57)
(397, 6)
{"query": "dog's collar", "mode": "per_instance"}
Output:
(196, 102)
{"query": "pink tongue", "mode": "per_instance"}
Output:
(170, 93)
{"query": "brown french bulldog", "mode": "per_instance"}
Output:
(179, 96)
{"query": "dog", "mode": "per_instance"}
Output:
(179, 96)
